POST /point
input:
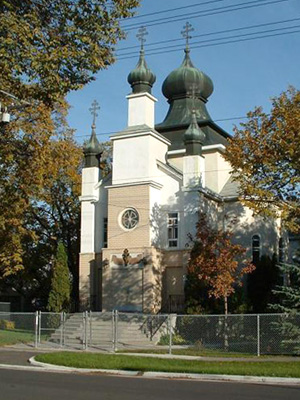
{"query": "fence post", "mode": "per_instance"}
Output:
(61, 328)
(64, 328)
(36, 329)
(40, 325)
(116, 331)
(113, 329)
(83, 331)
(170, 333)
(86, 330)
(258, 335)
(91, 327)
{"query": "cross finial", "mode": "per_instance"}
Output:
(142, 32)
(185, 33)
(95, 107)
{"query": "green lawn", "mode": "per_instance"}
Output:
(132, 363)
(191, 352)
(8, 337)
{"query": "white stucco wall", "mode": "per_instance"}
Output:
(217, 170)
(89, 196)
(162, 202)
(193, 171)
(101, 213)
(90, 178)
(245, 225)
(141, 109)
(135, 157)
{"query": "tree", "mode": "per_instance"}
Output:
(214, 260)
(288, 294)
(40, 176)
(47, 49)
(59, 296)
(261, 283)
(265, 157)
(288, 304)
(51, 47)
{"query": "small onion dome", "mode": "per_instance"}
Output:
(194, 137)
(141, 79)
(180, 82)
(92, 150)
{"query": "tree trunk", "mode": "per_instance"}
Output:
(226, 344)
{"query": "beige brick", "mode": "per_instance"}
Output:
(118, 200)
(90, 281)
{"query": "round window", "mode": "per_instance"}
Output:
(130, 218)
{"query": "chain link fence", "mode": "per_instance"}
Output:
(4, 306)
(264, 334)
(19, 328)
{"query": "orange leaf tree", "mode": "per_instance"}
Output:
(265, 157)
(216, 261)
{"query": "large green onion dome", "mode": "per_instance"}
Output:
(187, 79)
(141, 79)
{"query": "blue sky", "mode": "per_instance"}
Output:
(245, 74)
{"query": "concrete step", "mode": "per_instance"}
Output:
(130, 330)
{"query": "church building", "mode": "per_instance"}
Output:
(135, 221)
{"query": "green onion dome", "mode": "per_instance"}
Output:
(185, 79)
(92, 150)
(141, 79)
(194, 133)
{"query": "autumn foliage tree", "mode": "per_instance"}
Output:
(265, 157)
(47, 49)
(216, 261)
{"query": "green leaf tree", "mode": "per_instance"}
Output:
(59, 296)
(261, 283)
(288, 303)
(265, 157)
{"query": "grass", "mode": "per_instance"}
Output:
(192, 352)
(132, 363)
(9, 337)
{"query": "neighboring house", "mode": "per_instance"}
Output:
(135, 221)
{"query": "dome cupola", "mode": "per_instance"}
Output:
(92, 149)
(141, 79)
(187, 77)
(194, 137)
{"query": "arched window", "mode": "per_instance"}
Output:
(255, 248)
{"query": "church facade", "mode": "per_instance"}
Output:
(136, 220)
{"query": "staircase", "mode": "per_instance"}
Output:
(128, 330)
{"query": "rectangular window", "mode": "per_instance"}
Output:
(255, 249)
(173, 229)
(105, 232)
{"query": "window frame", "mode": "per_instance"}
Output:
(105, 232)
(173, 230)
(256, 249)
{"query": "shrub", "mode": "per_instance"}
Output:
(7, 325)
(176, 339)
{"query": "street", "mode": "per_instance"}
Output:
(32, 385)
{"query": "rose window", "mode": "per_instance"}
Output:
(130, 218)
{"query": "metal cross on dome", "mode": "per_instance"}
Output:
(185, 33)
(142, 32)
(94, 108)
